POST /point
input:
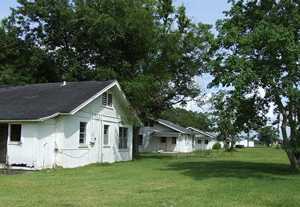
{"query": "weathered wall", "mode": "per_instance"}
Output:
(153, 144)
(56, 142)
(36, 148)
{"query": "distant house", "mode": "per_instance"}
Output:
(245, 143)
(64, 124)
(164, 136)
(204, 140)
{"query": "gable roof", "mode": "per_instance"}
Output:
(210, 135)
(174, 126)
(38, 102)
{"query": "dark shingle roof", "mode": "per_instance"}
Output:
(175, 126)
(37, 101)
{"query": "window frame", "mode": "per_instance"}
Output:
(123, 138)
(106, 134)
(141, 140)
(174, 140)
(9, 134)
(163, 140)
(84, 133)
(104, 99)
(107, 99)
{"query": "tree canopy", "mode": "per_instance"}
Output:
(257, 55)
(267, 135)
(150, 46)
(22, 62)
(233, 115)
(188, 118)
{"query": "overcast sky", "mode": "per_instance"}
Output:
(205, 11)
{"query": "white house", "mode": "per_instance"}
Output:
(245, 143)
(65, 124)
(204, 140)
(164, 136)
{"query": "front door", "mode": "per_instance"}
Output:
(163, 144)
(3, 142)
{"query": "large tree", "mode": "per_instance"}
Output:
(150, 46)
(258, 52)
(233, 115)
(23, 62)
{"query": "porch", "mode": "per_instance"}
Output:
(166, 141)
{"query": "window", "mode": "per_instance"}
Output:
(106, 135)
(82, 133)
(107, 99)
(163, 140)
(199, 141)
(15, 132)
(104, 99)
(123, 133)
(140, 140)
(206, 141)
(174, 140)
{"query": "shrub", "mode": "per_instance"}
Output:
(216, 146)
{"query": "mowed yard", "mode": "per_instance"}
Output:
(249, 177)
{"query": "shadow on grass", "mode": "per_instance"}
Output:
(12, 172)
(232, 169)
(156, 156)
(170, 156)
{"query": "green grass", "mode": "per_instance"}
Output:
(247, 178)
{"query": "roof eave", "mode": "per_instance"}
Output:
(171, 127)
(34, 120)
(202, 132)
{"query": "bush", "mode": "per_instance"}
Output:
(240, 146)
(216, 146)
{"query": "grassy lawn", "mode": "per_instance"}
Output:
(250, 177)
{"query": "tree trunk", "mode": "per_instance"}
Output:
(232, 143)
(293, 157)
(226, 145)
(297, 155)
(288, 142)
(135, 142)
(294, 162)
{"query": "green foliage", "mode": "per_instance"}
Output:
(21, 61)
(257, 55)
(216, 146)
(187, 118)
(225, 118)
(151, 47)
(267, 135)
(232, 115)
